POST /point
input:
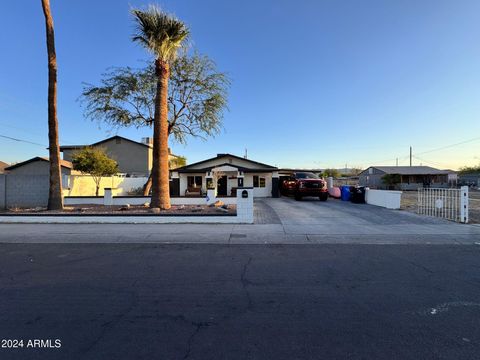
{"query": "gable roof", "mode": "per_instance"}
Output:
(63, 163)
(78, 147)
(75, 147)
(188, 168)
(410, 170)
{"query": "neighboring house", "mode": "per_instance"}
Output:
(3, 165)
(37, 166)
(411, 177)
(225, 172)
(133, 158)
(37, 169)
(469, 179)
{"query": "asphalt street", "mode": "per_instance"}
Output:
(204, 301)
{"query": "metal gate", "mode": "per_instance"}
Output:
(451, 204)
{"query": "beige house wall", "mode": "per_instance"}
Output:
(84, 185)
(132, 158)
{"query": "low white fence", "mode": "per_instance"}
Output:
(385, 198)
(243, 201)
(451, 204)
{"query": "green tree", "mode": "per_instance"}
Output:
(355, 171)
(177, 162)
(469, 169)
(391, 180)
(162, 35)
(55, 200)
(94, 162)
(197, 98)
(334, 173)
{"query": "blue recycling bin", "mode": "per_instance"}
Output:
(345, 193)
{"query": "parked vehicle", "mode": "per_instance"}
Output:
(302, 184)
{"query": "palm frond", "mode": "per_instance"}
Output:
(159, 32)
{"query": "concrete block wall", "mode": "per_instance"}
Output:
(24, 190)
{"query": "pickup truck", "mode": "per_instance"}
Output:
(302, 184)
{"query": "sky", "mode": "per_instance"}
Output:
(315, 83)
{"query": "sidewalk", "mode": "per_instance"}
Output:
(239, 234)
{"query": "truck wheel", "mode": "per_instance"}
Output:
(323, 197)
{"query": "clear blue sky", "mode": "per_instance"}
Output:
(315, 83)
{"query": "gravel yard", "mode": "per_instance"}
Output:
(92, 209)
(409, 203)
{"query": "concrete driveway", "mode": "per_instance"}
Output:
(338, 218)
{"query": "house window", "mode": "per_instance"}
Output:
(258, 181)
(194, 181)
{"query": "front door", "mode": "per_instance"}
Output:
(222, 186)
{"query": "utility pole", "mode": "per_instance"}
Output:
(246, 153)
(410, 156)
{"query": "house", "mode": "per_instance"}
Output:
(3, 165)
(411, 177)
(471, 178)
(225, 173)
(37, 166)
(133, 158)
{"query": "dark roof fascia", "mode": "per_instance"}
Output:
(74, 147)
(273, 168)
(240, 168)
(36, 158)
(437, 172)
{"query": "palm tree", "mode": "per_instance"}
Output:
(55, 201)
(163, 35)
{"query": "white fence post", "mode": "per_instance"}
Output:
(108, 197)
(245, 205)
(464, 204)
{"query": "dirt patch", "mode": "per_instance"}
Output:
(93, 209)
(409, 203)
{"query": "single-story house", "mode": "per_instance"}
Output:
(469, 179)
(225, 173)
(3, 165)
(411, 177)
(37, 166)
(133, 158)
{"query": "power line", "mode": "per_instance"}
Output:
(32, 132)
(449, 146)
(430, 162)
(21, 140)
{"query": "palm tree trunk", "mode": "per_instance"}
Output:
(160, 174)
(148, 185)
(55, 201)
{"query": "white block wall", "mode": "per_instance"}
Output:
(245, 206)
(244, 211)
(384, 198)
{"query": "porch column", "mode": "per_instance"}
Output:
(211, 188)
(275, 184)
(240, 178)
(175, 184)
